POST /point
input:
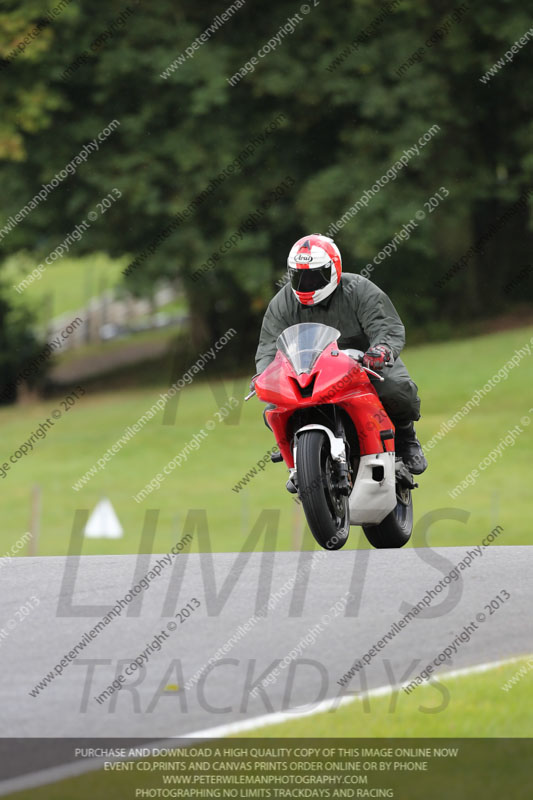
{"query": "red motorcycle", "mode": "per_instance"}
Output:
(336, 439)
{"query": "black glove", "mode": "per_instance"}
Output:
(376, 357)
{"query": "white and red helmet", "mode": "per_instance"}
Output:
(315, 268)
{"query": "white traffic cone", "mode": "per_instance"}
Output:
(103, 522)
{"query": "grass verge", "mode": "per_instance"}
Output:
(448, 375)
(472, 706)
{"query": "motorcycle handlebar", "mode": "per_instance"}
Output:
(386, 364)
(252, 387)
(371, 372)
(359, 360)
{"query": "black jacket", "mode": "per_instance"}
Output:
(357, 308)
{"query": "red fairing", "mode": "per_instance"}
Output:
(335, 379)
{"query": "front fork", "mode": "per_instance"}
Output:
(339, 455)
(343, 482)
(341, 468)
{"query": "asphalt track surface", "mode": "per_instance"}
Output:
(382, 586)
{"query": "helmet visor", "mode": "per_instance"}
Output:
(310, 280)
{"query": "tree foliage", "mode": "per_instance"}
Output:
(348, 116)
(19, 347)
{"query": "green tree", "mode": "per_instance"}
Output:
(346, 121)
(19, 346)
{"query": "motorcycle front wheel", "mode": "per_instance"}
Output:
(326, 510)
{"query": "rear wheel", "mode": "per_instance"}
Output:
(326, 509)
(396, 528)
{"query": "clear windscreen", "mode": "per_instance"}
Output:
(303, 343)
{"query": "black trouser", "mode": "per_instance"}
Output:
(398, 393)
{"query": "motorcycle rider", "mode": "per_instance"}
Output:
(318, 291)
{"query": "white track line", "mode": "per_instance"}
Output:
(331, 704)
(72, 770)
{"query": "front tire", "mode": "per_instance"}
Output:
(326, 510)
(395, 530)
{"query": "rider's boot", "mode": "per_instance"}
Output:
(409, 448)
